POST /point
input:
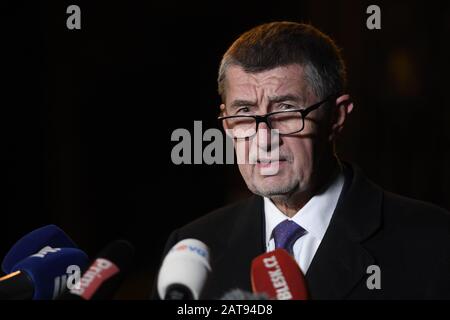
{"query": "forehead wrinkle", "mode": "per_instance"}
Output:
(265, 88)
(259, 87)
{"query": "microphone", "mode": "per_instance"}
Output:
(49, 235)
(278, 275)
(184, 271)
(105, 274)
(43, 275)
(238, 294)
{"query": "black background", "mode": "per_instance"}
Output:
(88, 114)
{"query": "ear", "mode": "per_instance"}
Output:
(344, 106)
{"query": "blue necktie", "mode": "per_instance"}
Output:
(286, 233)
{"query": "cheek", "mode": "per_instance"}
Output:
(247, 152)
(241, 149)
(301, 150)
(246, 171)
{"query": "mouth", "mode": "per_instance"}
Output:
(268, 160)
(264, 162)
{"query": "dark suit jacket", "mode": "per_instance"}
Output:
(409, 240)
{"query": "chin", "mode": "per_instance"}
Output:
(270, 188)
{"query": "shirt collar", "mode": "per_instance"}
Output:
(315, 215)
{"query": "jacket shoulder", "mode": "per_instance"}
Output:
(420, 217)
(218, 220)
(415, 209)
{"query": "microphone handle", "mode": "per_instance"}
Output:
(16, 287)
(178, 292)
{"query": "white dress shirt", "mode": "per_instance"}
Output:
(314, 217)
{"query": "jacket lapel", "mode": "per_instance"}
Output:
(341, 260)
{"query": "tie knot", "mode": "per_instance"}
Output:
(286, 233)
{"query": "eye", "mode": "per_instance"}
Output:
(243, 110)
(285, 106)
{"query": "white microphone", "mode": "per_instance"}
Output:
(184, 271)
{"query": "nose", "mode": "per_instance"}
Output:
(263, 136)
(266, 138)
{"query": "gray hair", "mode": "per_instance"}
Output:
(278, 44)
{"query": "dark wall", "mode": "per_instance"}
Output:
(88, 114)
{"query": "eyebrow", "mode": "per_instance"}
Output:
(286, 97)
(241, 103)
(274, 99)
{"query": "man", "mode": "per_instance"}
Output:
(338, 225)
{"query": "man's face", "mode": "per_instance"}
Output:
(268, 91)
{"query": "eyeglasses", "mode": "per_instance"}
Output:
(285, 121)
